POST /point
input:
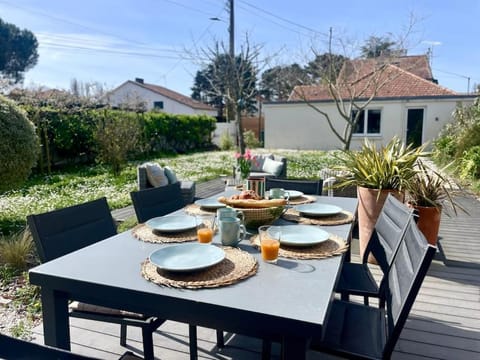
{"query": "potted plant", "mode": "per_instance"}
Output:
(427, 193)
(377, 172)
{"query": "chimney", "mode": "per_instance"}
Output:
(139, 80)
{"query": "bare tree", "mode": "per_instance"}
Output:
(359, 82)
(91, 90)
(234, 79)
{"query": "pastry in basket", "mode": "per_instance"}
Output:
(250, 199)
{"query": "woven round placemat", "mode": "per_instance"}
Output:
(344, 217)
(194, 209)
(144, 233)
(236, 266)
(335, 245)
(304, 199)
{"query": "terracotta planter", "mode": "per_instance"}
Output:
(370, 205)
(429, 222)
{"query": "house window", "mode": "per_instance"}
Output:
(158, 105)
(368, 122)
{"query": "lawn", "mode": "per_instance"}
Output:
(60, 189)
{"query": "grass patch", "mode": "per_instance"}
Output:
(80, 184)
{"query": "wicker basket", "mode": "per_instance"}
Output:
(264, 216)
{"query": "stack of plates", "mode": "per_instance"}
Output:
(172, 223)
(210, 204)
(187, 257)
(318, 209)
(299, 235)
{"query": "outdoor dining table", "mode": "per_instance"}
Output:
(288, 300)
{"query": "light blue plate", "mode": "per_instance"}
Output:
(318, 209)
(187, 257)
(293, 194)
(209, 203)
(299, 235)
(172, 223)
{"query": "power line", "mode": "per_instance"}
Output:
(452, 73)
(188, 7)
(112, 51)
(283, 19)
(272, 21)
(92, 43)
(41, 13)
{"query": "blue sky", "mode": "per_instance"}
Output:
(114, 41)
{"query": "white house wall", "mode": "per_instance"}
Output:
(131, 93)
(297, 126)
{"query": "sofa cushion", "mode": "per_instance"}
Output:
(260, 174)
(170, 174)
(258, 161)
(272, 166)
(156, 175)
(84, 307)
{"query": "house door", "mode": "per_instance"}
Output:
(414, 126)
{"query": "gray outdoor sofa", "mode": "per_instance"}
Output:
(187, 187)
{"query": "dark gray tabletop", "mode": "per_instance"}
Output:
(290, 298)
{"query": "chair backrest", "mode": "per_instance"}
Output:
(409, 268)
(62, 231)
(313, 187)
(388, 232)
(157, 201)
(17, 349)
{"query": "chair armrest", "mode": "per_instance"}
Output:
(283, 173)
(142, 180)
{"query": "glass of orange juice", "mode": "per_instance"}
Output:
(269, 242)
(204, 228)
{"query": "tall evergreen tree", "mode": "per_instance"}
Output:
(18, 52)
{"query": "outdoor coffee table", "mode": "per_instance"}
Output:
(288, 301)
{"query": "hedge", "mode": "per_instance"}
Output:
(68, 135)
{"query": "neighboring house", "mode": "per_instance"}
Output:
(132, 93)
(407, 102)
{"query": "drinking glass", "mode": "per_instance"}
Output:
(205, 225)
(269, 242)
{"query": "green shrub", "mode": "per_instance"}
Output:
(470, 164)
(444, 149)
(18, 145)
(117, 135)
(251, 140)
(226, 141)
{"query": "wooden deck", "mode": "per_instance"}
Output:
(444, 322)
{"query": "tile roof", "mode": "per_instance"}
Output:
(361, 78)
(174, 96)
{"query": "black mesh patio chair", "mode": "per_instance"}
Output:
(313, 187)
(161, 201)
(18, 349)
(63, 231)
(359, 331)
(157, 201)
(356, 278)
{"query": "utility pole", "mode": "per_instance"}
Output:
(231, 52)
(231, 29)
